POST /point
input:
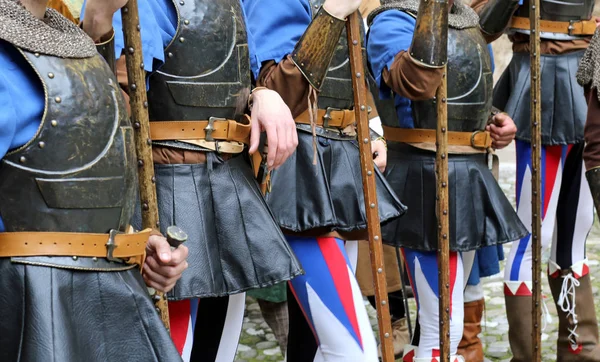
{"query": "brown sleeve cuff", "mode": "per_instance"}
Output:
(412, 80)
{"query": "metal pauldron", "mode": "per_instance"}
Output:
(496, 14)
(429, 43)
(313, 53)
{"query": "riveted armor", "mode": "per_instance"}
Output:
(564, 10)
(207, 65)
(78, 173)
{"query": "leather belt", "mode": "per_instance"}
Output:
(477, 139)
(330, 117)
(215, 129)
(114, 246)
(579, 27)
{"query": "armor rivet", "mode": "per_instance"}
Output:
(140, 163)
(138, 27)
(54, 123)
(355, 42)
(311, 74)
(137, 125)
(51, 75)
(533, 7)
(170, 55)
(316, 6)
(372, 206)
(146, 207)
(380, 270)
(362, 108)
(301, 64)
(130, 50)
(358, 75)
(366, 140)
(74, 257)
(133, 86)
(370, 173)
(444, 184)
(387, 335)
(57, 99)
(376, 237)
(182, 2)
(22, 159)
(443, 156)
(95, 259)
(186, 22)
(445, 212)
(181, 40)
(445, 236)
(145, 104)
(42, 144)
(443, 129)
(37, 55)
(142, 65)
(331, 21)
(383, 302)
(153, 179)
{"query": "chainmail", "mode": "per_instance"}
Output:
(589, 66)
(54, 35)
(461, 16)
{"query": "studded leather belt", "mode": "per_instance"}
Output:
(580, 27)
(114, 246)
(477, 139)
(330, 117)
(215, 129)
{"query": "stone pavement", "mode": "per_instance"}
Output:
(259, 344)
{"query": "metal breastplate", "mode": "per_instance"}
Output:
(207, 65)
(563, 10)
(469, 85)
(336, 91)
(78, 173)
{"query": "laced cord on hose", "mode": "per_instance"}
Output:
(566, 302)
(312, 115)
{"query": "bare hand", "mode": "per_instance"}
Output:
(503, 130)
(341, 8)
(271, 114)
(98, 16)
(163, 266)
(378, 146)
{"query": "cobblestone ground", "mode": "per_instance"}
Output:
(259, 344)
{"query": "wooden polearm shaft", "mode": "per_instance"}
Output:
(536, 179)
(359, 85)
(139, 116)
(441, 170)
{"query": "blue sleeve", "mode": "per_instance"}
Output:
(390, 33)
(276, 25)
(158, 20)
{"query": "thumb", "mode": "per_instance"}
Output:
(254, 133)
(161, 247)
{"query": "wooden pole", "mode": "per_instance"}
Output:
(536, 179)
(441, 169)
(359, 85)
(139, 117)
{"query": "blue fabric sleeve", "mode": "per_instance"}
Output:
(390, 33)
(276, 25)
(21, 101)
(158, 20)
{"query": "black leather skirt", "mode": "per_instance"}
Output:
(233, 240)
(329, 195)
(480, 213)
(54, 314)
(564, 108)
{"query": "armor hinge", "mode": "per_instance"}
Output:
(211, 127)
(111, 246)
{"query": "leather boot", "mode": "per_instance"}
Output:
(520, 327)
(577, 323)
(401, 337)
(470, 346)
(593, 177)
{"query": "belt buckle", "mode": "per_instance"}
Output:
(473, 135)
(210, 128)
(111, 246)
(327, 117)
(571, 27)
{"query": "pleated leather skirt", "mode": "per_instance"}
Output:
(55, 314)
(233, 240)
(480, 214)
(329, 195)
(564, 108)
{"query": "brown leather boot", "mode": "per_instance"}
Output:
(470, 346)
(520, 327)
(577, 323)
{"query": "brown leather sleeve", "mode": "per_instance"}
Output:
(547, 46)
(412, 80)
(591, 153)
(287, 80)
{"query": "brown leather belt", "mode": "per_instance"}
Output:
(115, 246)
(330, 117)
(477, 139)
(215, 129)
(580, 27)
